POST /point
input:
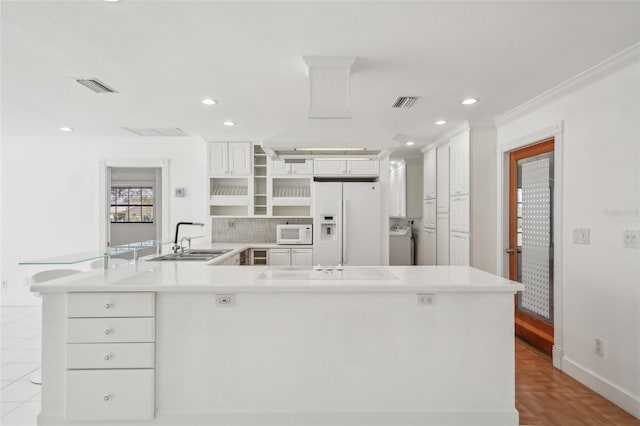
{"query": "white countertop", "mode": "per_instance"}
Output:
(200, 277)
(240, 247)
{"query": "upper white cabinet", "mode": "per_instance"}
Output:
(346, 167)
(442, 184)
(429, 174)
(280, 168)
(229, 158)
(398, 190)
(459, 164)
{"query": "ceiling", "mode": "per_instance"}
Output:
(163, 57)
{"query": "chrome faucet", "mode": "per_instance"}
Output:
(182, 246)
(177, 247)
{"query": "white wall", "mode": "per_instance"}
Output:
(50, 196)
(601, 191)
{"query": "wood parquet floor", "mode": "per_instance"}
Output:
(546, 396)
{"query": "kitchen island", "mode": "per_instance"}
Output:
(178, 343)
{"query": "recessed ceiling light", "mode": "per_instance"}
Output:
(66, 129)
(393, 162)
(112, 1)
(209, 101)
(441, 122)
(469, 101)
(410, 143)
(229, 123)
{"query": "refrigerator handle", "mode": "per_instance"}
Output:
(344, 232)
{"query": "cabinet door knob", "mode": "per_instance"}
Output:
(107, 331)
(107, 397)
(107, 357)
(107, 305)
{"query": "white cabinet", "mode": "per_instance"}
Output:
(229, 158)
(397, 191)
(442, 183)
(429, 246)
(110, 357)
(363, 168)
(279, 168)
(459, 248)
(429, 213)
(290, 257)
(459, 164)
(460, 213)
(429, 174)
(442, 240)
(301, 257)
(346, 167)
(280, 257)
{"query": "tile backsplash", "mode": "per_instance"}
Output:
(248, 230)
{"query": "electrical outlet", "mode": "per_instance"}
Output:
(427, 299)
(631, 238)
(581, 236)
(598, 347)
(225, 300)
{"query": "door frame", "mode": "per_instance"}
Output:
(504, 150)
(104, 193)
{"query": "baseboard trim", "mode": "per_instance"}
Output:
(506, 417)
(556, 355)
(614, 393)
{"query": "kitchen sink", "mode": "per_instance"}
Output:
(201, 255)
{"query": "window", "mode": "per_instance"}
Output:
(132, 204)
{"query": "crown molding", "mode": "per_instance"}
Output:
(446, 136)
(609, 66)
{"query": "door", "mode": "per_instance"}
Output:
(240, 158)
(459, 251)
(218, 158)
(278, 167)
(429, 174)
(363, 167)
(280, 257)
(301, 257)
(429, 236)
(442, 239)
(442, 181)
(531, 241)
(329, 167)
(361, 223)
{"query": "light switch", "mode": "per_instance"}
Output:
(631, 238)
(581, 236)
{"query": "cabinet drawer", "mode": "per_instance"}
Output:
(104, 395)
(110, 330)
(110, 355)
(81, 305)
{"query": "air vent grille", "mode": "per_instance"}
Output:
(404, 102)
(95, 85)
(170, 131)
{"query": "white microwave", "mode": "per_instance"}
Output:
(294, 234)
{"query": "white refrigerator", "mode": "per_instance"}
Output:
(347, 223)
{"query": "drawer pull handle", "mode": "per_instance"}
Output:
(107, 357)
(107, 397)
(107, 331)
(107, 305)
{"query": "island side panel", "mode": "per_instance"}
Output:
(54, 336)
(337, 353)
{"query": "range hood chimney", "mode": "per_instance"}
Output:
(330, 132)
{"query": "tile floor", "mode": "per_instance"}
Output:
(19, 359)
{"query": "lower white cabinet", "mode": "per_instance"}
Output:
(110, 357)
(109, 395)
(291, 257)
(429, 246)
(459, 248)
(442, 239)
(459, 209)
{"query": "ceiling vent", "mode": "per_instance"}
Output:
(404, 102)
(171, 131)
(95, 85)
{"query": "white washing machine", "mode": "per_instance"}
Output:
(400, 245)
